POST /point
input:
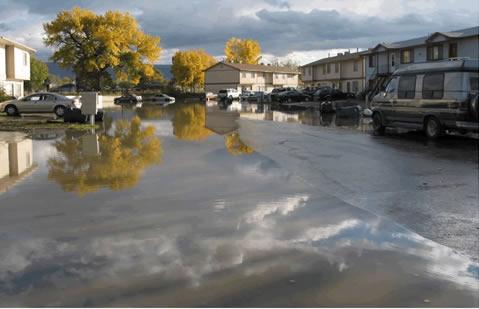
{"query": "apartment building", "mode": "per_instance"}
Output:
(345, 71)
(382, 60)
(14, 66)
(255, 77)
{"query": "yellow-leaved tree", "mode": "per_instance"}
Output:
(242, 51)
(236, 146)
(92, 44)
(188, 68)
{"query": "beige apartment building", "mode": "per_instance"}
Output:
(14, 66)
(344, 71)
(255, 77)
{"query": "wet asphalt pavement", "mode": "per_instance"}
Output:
(192, 205)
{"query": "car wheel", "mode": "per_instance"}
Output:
(60, 111)
(432, 128)
(378, 125)
(11, 110)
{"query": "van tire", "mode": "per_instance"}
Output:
(11, 110)
(378, 125)
(432, 127)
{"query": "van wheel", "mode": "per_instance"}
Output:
(60, 111)
(378, 125)
(11, 110)
(432, 127)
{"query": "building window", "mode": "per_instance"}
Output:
(25, 59)
(452, 50)
(328, 68)
(276, 76)
(393, 60)
(336, 67)
(243, 74)
(407, 87)
(433, 86)
(407, 56)
(371, 61)
(356, 66)
(253, 75)
(355, 86)
(434, 53)
(284, 76)
(324, 69)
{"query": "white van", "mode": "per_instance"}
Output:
(229, 93)
(432, 97)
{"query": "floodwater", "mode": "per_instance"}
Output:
(169, 206)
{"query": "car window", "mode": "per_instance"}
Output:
(33, 98)
(474, 83)
(407, 87)
(392, 85)
(433, 86)
(48, 97)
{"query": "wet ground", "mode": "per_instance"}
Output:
(193, 205)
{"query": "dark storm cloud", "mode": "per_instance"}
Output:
(280, 29)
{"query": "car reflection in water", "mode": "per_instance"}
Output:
(215, 224)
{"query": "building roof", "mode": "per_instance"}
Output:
(7, 41)
(462, 33)
(257, 68)
(338, 57)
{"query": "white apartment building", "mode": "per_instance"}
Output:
(255, 77)
(14, 66)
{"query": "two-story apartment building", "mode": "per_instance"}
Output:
(344, 71)
(255, 77)
(382, 60)
(14, 66)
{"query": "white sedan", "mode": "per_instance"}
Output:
(162, 99)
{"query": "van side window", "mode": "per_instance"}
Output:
(407, 87)
(433, 86)
(474, 81)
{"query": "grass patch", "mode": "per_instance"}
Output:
(30, 124)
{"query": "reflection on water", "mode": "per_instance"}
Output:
(106, 161)
(16, 159)
(219, 225)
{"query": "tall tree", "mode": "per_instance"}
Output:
(92, 44)
(242, 51)
(188, 68)
(38, 74)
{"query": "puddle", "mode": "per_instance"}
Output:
(170, 206)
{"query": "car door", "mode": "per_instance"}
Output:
(385, 101)
(46, 104)
(405, 106)
(28, 104)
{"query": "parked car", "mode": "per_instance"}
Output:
(162, 99)
(432, 97)
(229, 93)
(44, 102)
(292, 96)
(128, 98)
(331, 94)
(246, 94)
(276, 91)
(310, 90)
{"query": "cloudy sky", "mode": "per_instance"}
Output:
(302, 30)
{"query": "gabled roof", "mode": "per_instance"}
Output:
(6, 41)
(339, 57)
(462, 33)
(256, 68)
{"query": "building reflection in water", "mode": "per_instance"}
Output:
(117, 161)
(224, 121)
(16, 161)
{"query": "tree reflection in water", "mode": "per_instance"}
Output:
(189, 122)
(118, 165)
(236, 146)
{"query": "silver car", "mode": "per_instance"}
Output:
(45, 102)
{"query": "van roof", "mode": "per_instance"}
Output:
(453, 64)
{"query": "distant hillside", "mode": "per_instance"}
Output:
(55, 69)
